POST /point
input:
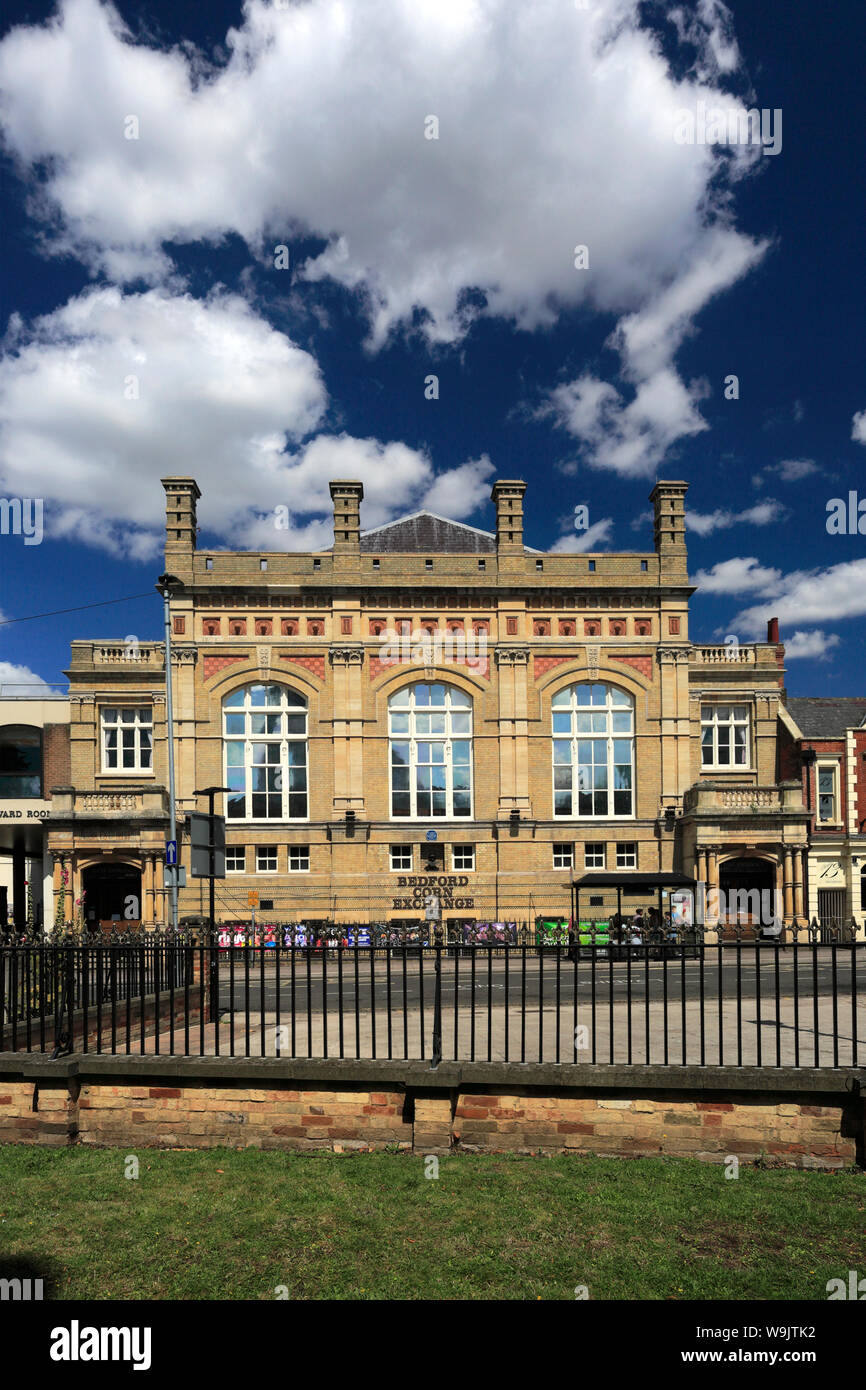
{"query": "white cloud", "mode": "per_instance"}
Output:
(590, 539)
(316, 123)
(111, 392)
(461, 491)
(20, 680)
(762, 514)
(810, 596)
(737, 576)
(810, 644)
(789, 471)
(858, 427)
(632, 438)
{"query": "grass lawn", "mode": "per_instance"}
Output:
(237, 1224)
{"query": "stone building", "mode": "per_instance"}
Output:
(34, 757)
(429, 708)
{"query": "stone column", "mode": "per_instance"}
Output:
(148, 874)
(798, 883)
(788, 882)
(513, 669)
(348, 663)
(69, 894)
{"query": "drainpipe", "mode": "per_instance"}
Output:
(165, 584)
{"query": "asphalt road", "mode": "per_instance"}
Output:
(538, 983)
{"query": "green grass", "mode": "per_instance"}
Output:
(237, 1224)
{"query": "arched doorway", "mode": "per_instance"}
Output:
(112, 895)
(748, 892)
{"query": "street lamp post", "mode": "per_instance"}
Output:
(165, 584)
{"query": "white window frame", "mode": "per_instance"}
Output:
(291, 705)
(404, 703)
(400, 852)
(710, 720)
(300, 852)
(463, 852)
(234, 850)
(827, 765)
(595, 849)
(626, 850)
(137, 725)
(563, 850)
(575, 709)
(272, 851)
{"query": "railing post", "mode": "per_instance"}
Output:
(436, 1057)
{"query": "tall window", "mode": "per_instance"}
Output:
(127, 739)
(593, 751)
(827, 799)
(724, 736)
(20, 761)
(430, 727)
(265, 738)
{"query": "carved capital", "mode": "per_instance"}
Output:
(346, 656)
(512, 656)
(675, 654)
(184, 656)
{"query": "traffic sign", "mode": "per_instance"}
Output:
(253, 898)
(171, 851)
(174, 874)
(207, 836)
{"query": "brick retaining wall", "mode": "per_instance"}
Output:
(806, 1119)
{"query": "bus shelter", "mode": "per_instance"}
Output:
(602, 901)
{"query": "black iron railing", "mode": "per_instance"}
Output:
(667, 1002)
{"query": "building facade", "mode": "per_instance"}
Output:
(824, 745)
(34, 757)
(429, 709)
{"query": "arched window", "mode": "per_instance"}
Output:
(430, 727)
(265, 739)
(593, 751)
(20, 761)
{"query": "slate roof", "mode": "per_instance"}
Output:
(817, 717)
(425, 532)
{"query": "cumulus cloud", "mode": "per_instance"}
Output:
(632, 436)
(810, 596)
(461, 491)
(107, 394)
(315, 123)
(737, 576)
(788, 470)
(762, 514)
(591, 539)
(814, 644)
(20, 680)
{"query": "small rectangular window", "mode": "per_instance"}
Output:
(626, 856)
(463, 857)
(208, 564)
(482, 564)
(376, 564)
(317, 564)
(539, 564)
(236, 859)
(266, 859)
(592, 566)
(428, 564)
(594, 856)
(644, 564)
(299, 859)
(401, 858)
(563, 856)
(263, 564)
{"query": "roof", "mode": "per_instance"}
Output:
(819, 717)
(627, 880)
(423, 532)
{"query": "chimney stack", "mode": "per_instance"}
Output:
(507, 497)
(669, 528)
(773, 631)
(181, 528)
(347, 497)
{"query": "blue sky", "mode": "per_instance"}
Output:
(157, 155)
